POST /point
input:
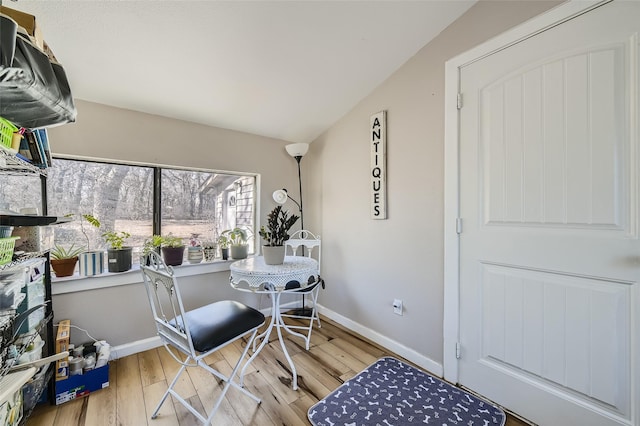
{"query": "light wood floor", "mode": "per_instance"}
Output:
(138, 381)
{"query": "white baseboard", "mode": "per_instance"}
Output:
(428, 364)
(131, 348)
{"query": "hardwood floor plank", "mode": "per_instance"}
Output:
(301, 407)
(335, 331)
(152, 395)
(343, 356)
(185, 417)
(44, 415)
(101, 407)
(330, 361)
(309, 381)
(150, 368)
(274, 406)
(273, 365)
(213, 358)
(247, 410)
(355, 352)
(209, 388)
(239, 345)
(322, 371)
(129, 396)
(170, 366)
(71, 413)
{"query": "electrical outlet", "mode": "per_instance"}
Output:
(397, 306)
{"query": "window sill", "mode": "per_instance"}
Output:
(78, 283)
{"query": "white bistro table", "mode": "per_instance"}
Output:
(253, 275)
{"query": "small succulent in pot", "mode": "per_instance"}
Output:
(60, 252)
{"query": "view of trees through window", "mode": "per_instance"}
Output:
(198, 204)
(119, 196)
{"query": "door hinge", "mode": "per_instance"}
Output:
(457, 350)
(459, 225)
(459, 101)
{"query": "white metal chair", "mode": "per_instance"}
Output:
(198, 332)
(305, 243)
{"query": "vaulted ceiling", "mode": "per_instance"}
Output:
(282, 69)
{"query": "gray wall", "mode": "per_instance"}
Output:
(367, 263)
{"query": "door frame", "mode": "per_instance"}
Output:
(452, 225)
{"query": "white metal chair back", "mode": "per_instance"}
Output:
(304, 243)
(166, 304)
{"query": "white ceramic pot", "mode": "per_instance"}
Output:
(273, 255)
(239, 251)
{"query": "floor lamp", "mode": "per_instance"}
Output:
(297, 151)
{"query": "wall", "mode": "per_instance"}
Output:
(367, 263)
(121, 314)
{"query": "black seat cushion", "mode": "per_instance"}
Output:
(217, 323)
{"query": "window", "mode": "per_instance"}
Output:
(192, 203)
(119, 196)
(201, 205)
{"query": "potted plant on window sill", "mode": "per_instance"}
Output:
(237, 242)
(275, 234)
(63, 260)
(172, 248)
(91, 261)
(119, 256)
(223, 242)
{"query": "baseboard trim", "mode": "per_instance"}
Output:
(428, 364)
(417, 358)
(131, 348)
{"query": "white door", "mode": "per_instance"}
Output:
(549, 249)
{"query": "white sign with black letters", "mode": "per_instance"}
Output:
(378, 128)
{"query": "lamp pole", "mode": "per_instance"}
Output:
(297, 151)
(298, 158)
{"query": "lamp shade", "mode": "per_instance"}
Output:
(297, 149)
(280, 196)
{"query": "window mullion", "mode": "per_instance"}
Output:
(157, 201)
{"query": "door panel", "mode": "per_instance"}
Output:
(549, 133)
(549, 251)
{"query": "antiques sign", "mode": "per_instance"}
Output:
(378, 128)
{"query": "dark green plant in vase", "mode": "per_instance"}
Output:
(278, 225)
(275, 233)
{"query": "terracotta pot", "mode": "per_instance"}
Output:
(64, 267)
